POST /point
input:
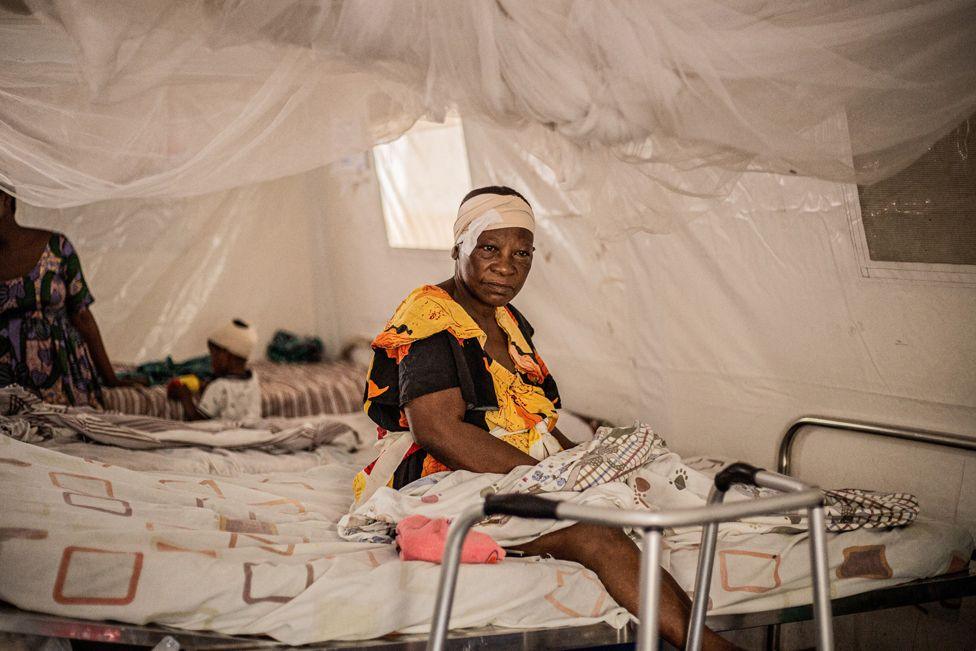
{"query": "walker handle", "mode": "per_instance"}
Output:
(736, 473)
(521, 505)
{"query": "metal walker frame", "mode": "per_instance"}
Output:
(796, 495)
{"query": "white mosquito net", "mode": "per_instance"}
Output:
(170, 99)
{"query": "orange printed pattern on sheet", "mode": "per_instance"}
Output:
(742, 570)
(83, 484)
(238, 525)
(866, 562)
(263, 581)
(74, 588)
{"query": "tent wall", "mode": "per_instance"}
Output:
(749, 314)
(719, 334)
(165, 273)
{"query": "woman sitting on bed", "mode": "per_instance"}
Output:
(49, 341)
(456, 384)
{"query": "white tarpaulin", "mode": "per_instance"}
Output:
(166, 272)
(752, 312)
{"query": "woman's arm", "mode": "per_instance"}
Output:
(84, 321)
(437, 422)
(563, 440)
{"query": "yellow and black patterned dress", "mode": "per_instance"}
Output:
(432, 344)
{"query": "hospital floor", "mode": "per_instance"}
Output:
(949, 626)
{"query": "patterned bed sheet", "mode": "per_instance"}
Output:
(287, 390)
(772, 571)
(258, 553)
(753, 573)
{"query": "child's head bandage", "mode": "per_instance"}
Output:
(236, 337)
(488, 212)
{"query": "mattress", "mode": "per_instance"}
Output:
(258, 553)
(287, 390)
(757, 572)
(771, 571)
(253, 554)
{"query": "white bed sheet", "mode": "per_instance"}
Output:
(753, 573)
(258, 553)
(757, 573)
(255, 554)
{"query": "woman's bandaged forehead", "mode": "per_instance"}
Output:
(487, 212)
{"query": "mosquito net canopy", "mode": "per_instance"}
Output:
(136, 99)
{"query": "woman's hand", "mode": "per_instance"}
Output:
(84, 321)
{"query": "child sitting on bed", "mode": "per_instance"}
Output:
(234, 393)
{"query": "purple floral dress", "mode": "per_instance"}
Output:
(40, 349)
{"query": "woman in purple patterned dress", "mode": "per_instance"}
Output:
(49, 341)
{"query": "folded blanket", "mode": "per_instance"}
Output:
(853, 508)
(25, 417)
(624, 468)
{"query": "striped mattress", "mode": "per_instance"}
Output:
(287, 390)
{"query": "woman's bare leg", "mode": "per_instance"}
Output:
(616, 561)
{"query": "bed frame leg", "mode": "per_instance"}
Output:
(771, 637)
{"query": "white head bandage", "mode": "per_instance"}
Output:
(236, 337)
(488, 212)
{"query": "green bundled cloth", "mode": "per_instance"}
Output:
(160, 372)
(287, 347)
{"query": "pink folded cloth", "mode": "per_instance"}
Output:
(422, 539)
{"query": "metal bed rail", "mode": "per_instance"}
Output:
(796, 495)
(784, 464)
(784, 461)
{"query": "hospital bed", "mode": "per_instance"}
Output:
(287, 391)
(945, 587)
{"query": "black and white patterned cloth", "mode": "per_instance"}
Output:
(848, 509)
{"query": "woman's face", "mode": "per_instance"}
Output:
(497, 268)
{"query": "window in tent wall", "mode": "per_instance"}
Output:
(423, 175)
(920, 224)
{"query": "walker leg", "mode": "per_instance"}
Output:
(703, 577)
(821, 580)
(650, 590)
(448, 579)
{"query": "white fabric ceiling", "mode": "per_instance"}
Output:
(170, 99)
